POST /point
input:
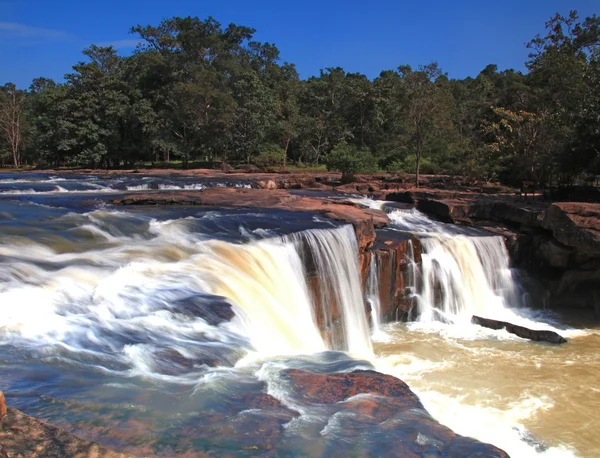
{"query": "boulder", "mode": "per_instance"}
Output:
(367, 400)
(525, 333)
(575, 224)
(213, 310)
(267, 184)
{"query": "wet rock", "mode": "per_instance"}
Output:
(404, 197)
(22, 436)
(2, 405)
(368, 399)
(211, 309)
(364, 220)
(392, 253)
(525, 333)
(169, 361)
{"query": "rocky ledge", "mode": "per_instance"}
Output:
(364, 220)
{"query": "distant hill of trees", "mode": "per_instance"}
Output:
(195, 90)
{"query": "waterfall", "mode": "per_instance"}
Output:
(333, 256)
(372, 294)
(266, 281)
(462, 274)
(163, 281)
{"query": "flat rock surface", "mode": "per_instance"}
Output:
(258, 198)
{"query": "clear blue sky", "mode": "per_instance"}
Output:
(45, 38)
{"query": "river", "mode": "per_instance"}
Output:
(115, 323)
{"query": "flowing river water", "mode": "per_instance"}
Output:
(116, 323)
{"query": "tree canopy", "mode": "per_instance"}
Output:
(197, 91)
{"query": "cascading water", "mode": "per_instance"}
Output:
(334, 255)
(78, 299)
(461, 274)
(465, 276)
(372, 294)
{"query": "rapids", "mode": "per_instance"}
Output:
(117, 324)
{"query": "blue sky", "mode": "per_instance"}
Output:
(45, 38)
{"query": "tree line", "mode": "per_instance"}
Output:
(197, 91)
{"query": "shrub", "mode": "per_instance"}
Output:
(409, 165)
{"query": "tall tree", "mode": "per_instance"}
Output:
(12, 124)
(427, 109)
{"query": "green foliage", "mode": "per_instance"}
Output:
(408, 165)
(350, 160)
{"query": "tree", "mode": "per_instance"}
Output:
(12, 123)
(288, 110)
(426, 110)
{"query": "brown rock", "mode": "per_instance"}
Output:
(2, 405)
(364, 220)
(392, 406)
(575, 224)
(269, 184)
(23, 436)
(392, 252)
(334, 388)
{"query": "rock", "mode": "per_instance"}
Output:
(392, 251)
(168, 361)
(225, 167)
(525, 333)
(406, 197)
(575, 224)
(268, 184)
(213, 310)
(364, 398)
(553, 253)
(2, 405)
(23, 436)
(364, 220)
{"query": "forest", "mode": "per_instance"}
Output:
(195, 92)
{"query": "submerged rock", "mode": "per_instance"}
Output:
(399, 424)
(22, 436)
(214, 310)
(525, 333)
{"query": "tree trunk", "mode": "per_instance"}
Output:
(15, 158)
(287, 145)
(418, 168)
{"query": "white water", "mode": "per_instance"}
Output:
(372, 295)
(125, 282)
(464, 274)
(335, 257)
